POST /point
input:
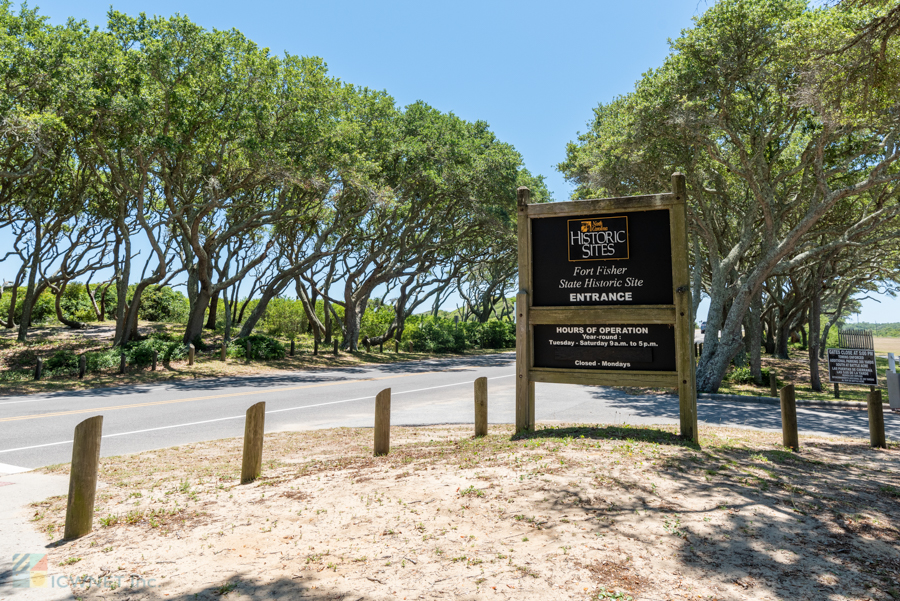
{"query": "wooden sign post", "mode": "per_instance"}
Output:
(605, 297)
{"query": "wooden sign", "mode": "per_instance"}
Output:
(604, 297)
(852, 366)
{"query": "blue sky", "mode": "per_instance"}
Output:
(532, 70)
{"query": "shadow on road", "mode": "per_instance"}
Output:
(839, 422)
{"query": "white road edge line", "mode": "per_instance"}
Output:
(221, 419)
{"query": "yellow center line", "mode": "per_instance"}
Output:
(215, 396)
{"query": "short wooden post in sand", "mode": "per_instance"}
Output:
(481, 407)
(254, 427)
(789, 433)
(383, 422)
(876, 420)
(83, 478)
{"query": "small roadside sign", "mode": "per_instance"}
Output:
(852, 366)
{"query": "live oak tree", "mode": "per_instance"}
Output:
(774, 181)
(43, 188)
(155, 149)
(444, 183)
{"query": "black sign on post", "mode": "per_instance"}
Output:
(629, 263)
(601, 346)
(852, 366)
(605, 297)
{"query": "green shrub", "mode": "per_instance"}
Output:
(76, 304)
(261, 348)
(44, 309)
(140, 352)
(438, 336)
(166, 336)
(285, 317)
(376, 319)
(175, 351)
(101, 360)
(161, 303)
(62, 362)
(8, 376)
(743, 375)
(441, 335)
(498, 334)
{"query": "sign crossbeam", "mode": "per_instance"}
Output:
(584, 315)
(605, 298)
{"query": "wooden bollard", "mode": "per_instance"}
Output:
(335, 347)
(773, 383)
(383, 422)
(837, 390)
(254, 426)
(315, 347)
(381, 347)
(122, 363)
(249, 348)
(481, 407)
(155, 359)
(82, 365)
(789, 433)
(409, 346)
(83, 478)
(292, 347)
(38, 368)
(191, 350)
(224, 351)
(876, 420)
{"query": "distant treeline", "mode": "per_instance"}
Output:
(889, 330)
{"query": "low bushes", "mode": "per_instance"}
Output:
(442, 335)
(138, 353)
(62, 363)
(743, 375)
(102, 360)
(261, 348)
(161, 303)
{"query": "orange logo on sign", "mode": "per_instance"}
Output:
(593, 226)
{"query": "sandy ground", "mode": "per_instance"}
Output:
(887, 345)
(566, 513)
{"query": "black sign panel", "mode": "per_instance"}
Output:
(614, 259)
(605, 347)
(852, 366)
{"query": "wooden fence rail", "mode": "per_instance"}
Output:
(861, 339)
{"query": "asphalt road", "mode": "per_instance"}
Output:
(37, 430)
